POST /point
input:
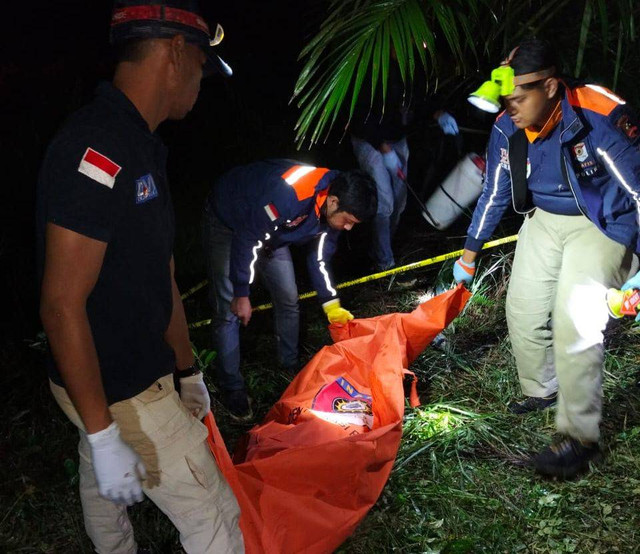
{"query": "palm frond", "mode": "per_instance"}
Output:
(616, 20)
(356, 40)
(584, 33)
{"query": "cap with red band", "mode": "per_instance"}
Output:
(133, 20)
(159, 13)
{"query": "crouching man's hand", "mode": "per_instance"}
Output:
(241, 307)
(336, 313)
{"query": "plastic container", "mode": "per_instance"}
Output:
(459, 190)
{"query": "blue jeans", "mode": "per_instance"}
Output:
(392, 196)
(277, 273)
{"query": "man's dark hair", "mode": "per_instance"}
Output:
(132, 50)
(533, 55)
(356, 192)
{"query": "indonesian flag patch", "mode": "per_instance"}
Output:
(98, 167)
(272, 212)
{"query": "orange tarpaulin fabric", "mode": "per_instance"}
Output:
(308, 474)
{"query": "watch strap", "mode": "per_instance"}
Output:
(188, 372)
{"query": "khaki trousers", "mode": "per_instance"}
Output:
(183, 479)
(556, 313)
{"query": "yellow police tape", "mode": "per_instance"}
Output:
(366, 279)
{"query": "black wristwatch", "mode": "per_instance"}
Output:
(188, 372)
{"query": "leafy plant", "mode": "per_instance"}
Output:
(617, 26)
(203, 357)
(356, 40)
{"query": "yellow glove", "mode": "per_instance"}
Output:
(336, 313)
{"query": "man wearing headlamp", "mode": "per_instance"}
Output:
(567, 157)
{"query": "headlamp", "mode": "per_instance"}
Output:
(487, 97)
(503, 82)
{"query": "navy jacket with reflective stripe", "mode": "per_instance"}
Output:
(264, 210)
(599, 143)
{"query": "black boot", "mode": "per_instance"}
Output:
(533, 404)
(566, 458)
(238, 403)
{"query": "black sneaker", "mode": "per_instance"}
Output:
(566, 458)
(439, 342)
(290, 370)
(533, 404)
(238, 404)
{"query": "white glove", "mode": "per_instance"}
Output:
(448, 124)
(195, 396)
(392, 162)
(117, 467)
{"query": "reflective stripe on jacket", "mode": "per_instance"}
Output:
(275, 203)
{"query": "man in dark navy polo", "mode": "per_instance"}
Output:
(110, 305)
(253, 213)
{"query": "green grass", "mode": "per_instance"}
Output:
(461, 482)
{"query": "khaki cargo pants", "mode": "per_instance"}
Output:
(556, 313)
(183, 479)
